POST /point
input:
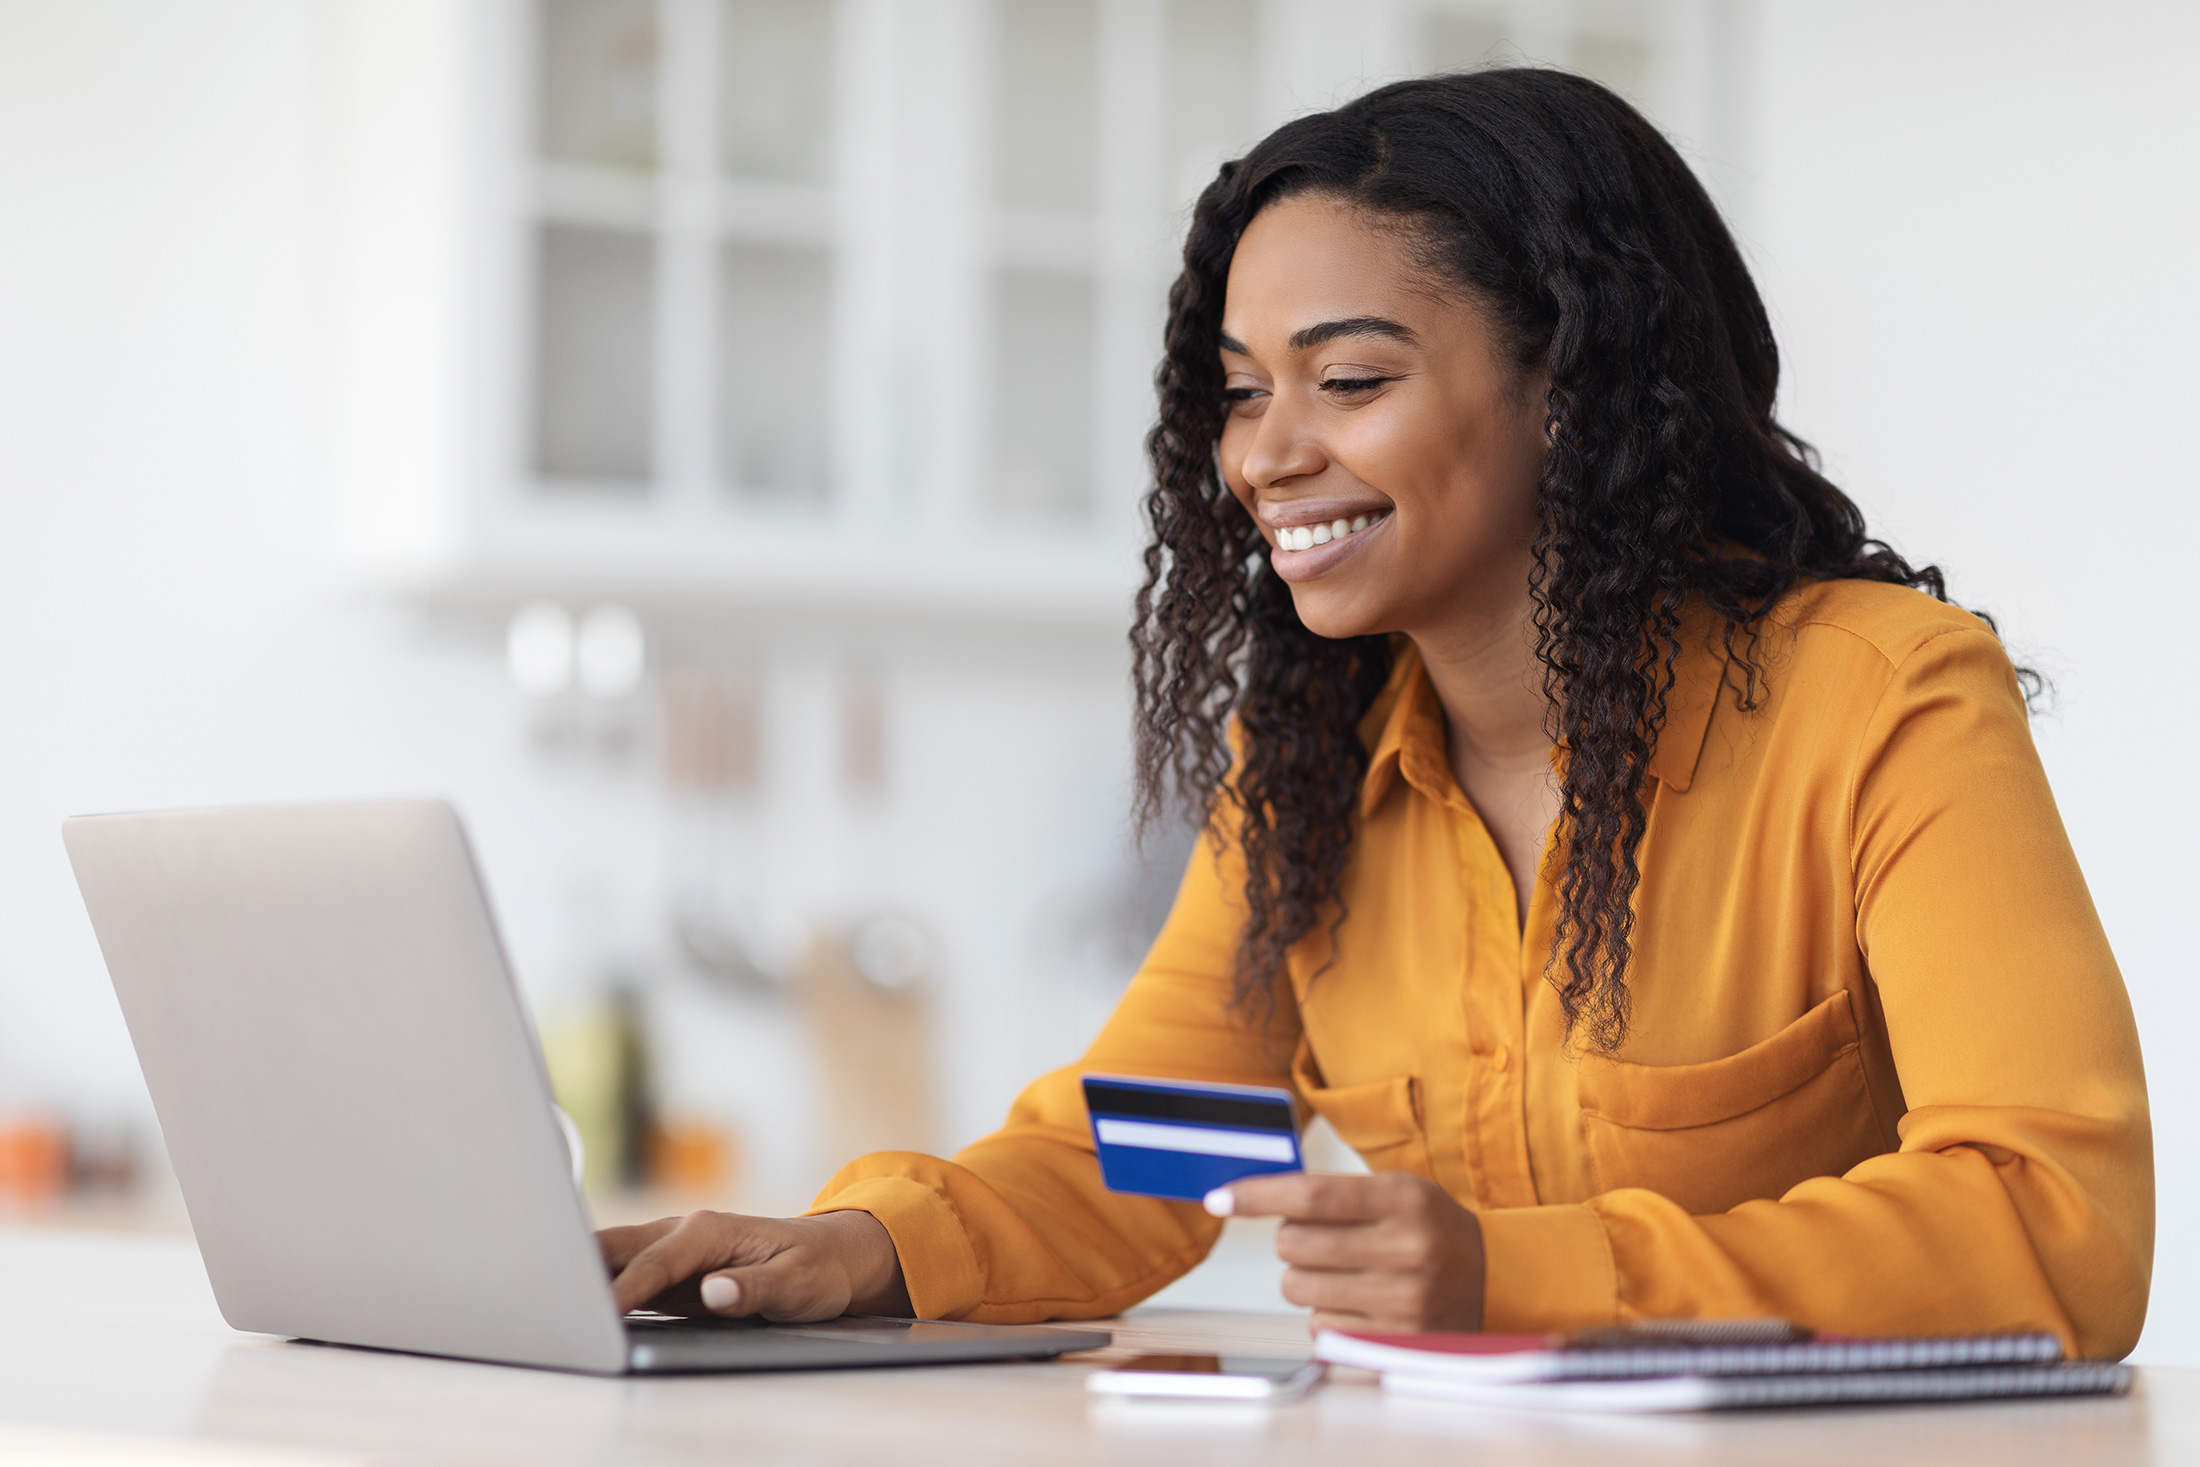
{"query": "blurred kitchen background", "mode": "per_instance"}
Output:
(701, 438)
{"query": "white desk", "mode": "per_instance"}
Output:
(111, 1351)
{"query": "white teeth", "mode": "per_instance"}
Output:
(1306, 537)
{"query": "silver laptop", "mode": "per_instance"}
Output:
(357, 1109)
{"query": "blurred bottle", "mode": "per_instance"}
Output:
(103, 1159)
(34, 1159)
(599, 1068)
(866, 998)
(693, 1158)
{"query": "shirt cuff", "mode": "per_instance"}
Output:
(1546, 1268)
(938, 1265)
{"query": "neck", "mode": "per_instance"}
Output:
(1485, 675)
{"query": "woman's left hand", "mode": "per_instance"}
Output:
(1389, 1252)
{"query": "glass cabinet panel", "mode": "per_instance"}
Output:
(1044, 397)
(594, 354)
(596, 82)
(1048, 93)
(775, 89)
(774, 374)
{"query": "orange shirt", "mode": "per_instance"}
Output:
(1882, 1076)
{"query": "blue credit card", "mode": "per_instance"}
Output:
(1170, 1138)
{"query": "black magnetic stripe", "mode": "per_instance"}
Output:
(1171, 1105)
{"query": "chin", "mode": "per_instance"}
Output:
(1336, 617)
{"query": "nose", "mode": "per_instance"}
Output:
(1281, 449)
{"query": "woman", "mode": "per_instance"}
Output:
(1650, 875)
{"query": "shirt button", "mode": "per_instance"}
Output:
(1500, 1057)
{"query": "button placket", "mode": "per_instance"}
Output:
(1490, 1002)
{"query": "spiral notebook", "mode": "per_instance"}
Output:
(1743, 1392)
(1716, 1365)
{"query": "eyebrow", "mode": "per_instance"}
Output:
(1315, 335)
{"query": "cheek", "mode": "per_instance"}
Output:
(1452, 479)
(1404, 452)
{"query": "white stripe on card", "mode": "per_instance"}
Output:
(1206, 1141)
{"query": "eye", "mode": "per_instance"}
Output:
(1243, 399)
(1352, 386)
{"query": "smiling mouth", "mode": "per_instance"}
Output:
(1306, 537)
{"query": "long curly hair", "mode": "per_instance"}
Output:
(1562, 213)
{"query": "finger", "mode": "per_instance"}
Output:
(699, 1242)
(684, 1299)
(644, 1278)
(1325, 1291)
(1385, 1300)
(620, 1244)
(1308, 1194)
(790, 1288)
(1394, 1245)
(1312, 1243)
(702, 1241)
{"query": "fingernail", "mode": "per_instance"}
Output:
(720, 1292)
(1220, 1203)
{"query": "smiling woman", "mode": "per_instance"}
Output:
(1399, 382)
(1649, 873)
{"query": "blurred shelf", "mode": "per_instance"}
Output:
(705, 564)
(615, 198)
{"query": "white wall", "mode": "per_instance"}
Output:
(1975, 224)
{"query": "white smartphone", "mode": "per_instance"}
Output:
(1209, 1377)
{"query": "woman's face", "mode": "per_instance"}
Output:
(1376, 432)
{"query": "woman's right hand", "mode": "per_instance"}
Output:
(792, 1269)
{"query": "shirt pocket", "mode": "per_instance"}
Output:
(1381, 1120)
(1714, 1135)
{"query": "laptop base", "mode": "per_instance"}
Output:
(662, 1345)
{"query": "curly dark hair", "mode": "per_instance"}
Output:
(1563, 214)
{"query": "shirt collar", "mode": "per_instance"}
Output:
(1404, 728)
(1697, 678)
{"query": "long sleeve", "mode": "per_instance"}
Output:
(2021, 1196)
(1017, 1227)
